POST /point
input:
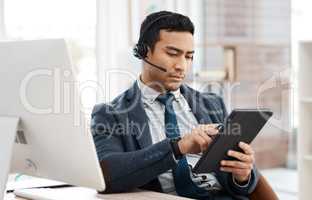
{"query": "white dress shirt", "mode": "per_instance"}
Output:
(186, 122)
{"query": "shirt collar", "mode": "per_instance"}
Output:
(150, 94)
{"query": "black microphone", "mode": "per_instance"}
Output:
(157, 66)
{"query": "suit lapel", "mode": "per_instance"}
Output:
(197, 107)
(138, 117)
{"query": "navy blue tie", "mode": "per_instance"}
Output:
(181, 174)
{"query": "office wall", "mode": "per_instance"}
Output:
(259, 31)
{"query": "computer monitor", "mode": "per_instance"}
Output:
(8, 126)
(38, 88)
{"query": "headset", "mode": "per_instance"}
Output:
(140, 49)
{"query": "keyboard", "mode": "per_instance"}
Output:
(65, 193)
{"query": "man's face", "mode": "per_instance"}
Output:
(174, 52)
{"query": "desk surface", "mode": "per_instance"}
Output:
(75, 193)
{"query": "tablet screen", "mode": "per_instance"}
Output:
(241, 125)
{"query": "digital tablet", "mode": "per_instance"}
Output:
(241, 125)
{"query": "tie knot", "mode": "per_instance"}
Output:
(166, 98)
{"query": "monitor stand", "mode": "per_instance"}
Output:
(8, 127)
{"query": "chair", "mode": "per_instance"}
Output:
(263, 191)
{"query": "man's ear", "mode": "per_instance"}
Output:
(149, 52)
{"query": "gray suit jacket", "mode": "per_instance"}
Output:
(124, 146)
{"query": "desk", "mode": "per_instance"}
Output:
(75, 193)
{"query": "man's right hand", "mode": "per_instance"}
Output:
(198, 140)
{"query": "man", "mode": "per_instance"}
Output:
(151, 135)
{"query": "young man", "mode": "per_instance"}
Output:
(150, 135)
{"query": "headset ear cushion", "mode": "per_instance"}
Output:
(136, 51)
(140, 50)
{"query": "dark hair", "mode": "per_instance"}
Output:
(162, 20)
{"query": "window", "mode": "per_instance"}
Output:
(74, 20)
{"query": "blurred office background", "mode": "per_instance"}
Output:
(246, 51)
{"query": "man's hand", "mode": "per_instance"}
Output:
(198, 140)
(240, 169)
